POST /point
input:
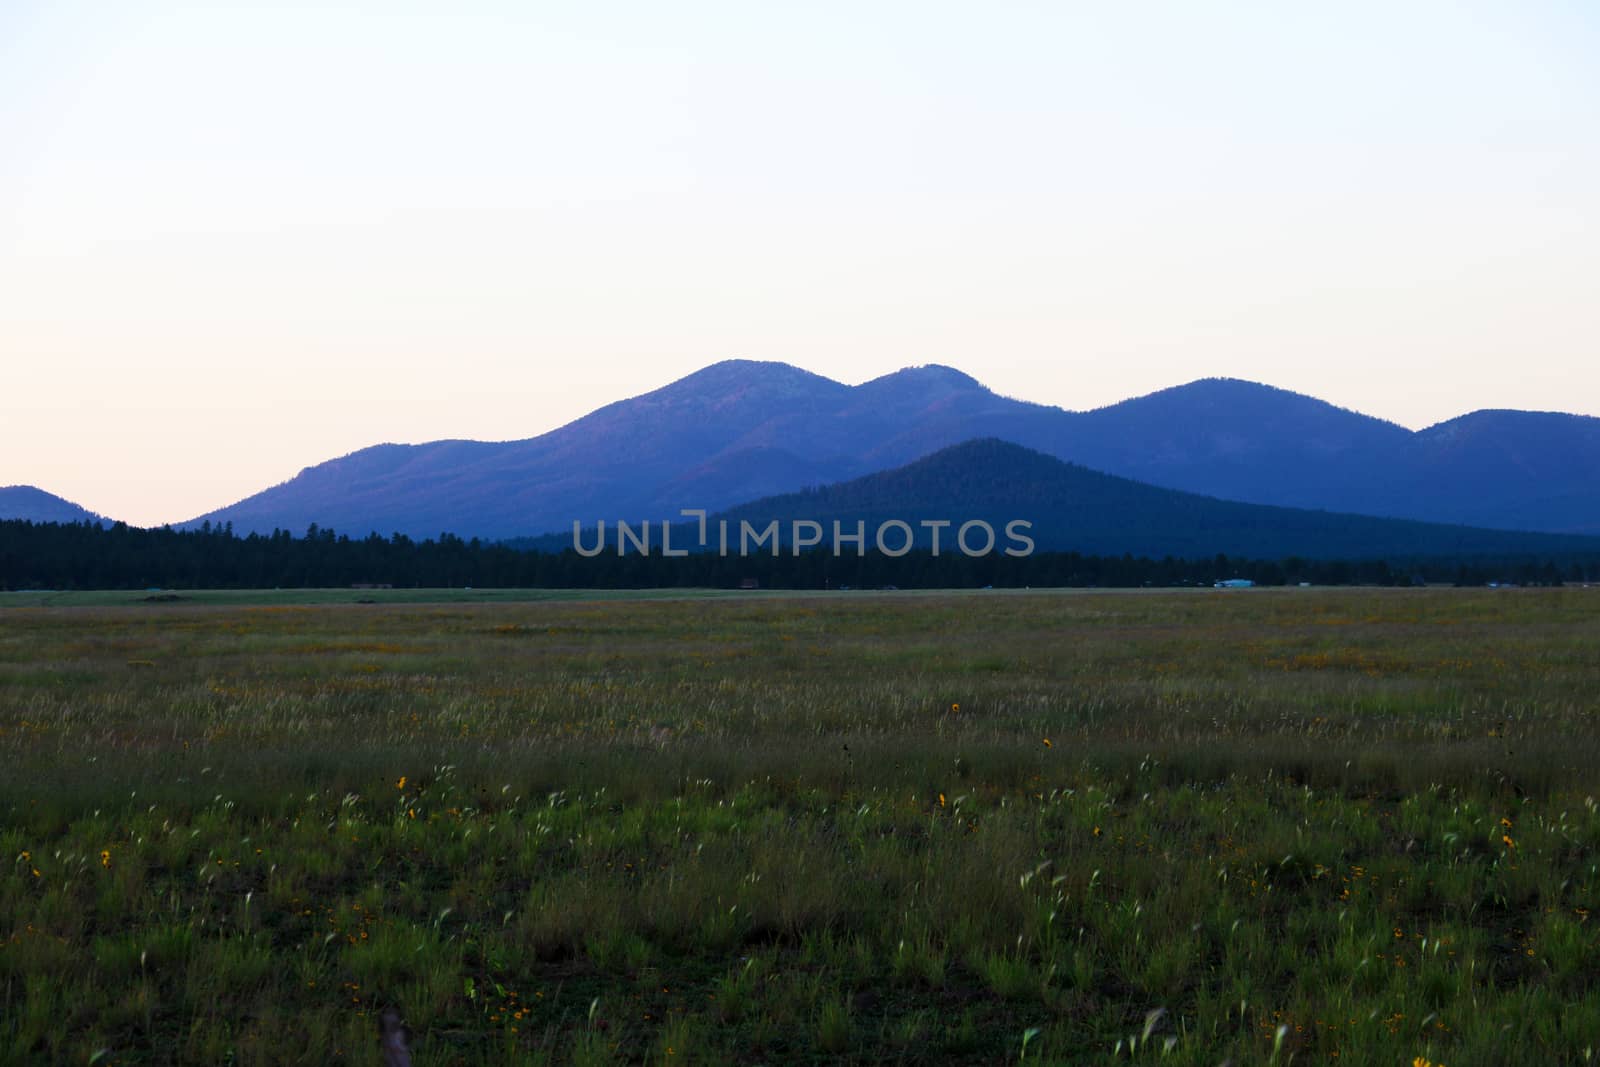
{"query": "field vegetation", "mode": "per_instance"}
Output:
(1288, 826)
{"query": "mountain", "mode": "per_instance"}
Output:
(36, 505)
(1225, 437)
(730, 432)
(740, 430)
(1071, 508)
(1535, 469)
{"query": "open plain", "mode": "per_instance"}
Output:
(1350, 826)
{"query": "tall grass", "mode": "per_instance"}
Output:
(1293, 825)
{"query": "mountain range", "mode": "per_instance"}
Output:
(741, 430)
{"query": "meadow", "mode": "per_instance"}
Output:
(1268, 826)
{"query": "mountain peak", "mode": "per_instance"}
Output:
(1242, 399)
(926, 376)
(1504, 418)
(743, 374)
(1225, 389)
(34, 504)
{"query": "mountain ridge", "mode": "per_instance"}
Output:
(738, 430)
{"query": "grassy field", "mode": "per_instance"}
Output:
(1308, 826)
(76, 598)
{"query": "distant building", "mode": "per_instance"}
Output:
(1235, 583)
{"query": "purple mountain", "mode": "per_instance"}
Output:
(740, 430)
(36, 505)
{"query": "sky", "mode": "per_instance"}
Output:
(238, 239)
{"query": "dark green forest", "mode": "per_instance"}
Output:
(93, 556)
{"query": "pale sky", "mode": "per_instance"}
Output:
(237, 239)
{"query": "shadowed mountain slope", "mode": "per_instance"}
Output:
(1071, 508)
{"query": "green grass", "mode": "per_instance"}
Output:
(1175, 828)
(257, 597)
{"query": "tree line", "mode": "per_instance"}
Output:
(95, 556)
